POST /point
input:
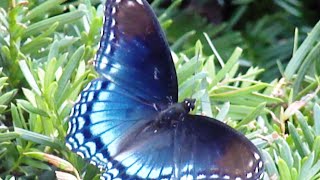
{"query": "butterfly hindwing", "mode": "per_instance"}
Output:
(101, 117)
(197, 148)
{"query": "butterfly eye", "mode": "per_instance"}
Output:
(189, 104)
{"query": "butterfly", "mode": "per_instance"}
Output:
(129, 122)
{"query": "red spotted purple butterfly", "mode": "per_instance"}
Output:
(129, 123)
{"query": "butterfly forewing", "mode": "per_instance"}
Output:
(133, 52)
(208, 149)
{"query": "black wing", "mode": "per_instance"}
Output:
(134, 54)
(197, 148)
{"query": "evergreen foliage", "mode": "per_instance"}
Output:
(47, 49)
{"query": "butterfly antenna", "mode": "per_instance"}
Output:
(195, 71)
(205, 99)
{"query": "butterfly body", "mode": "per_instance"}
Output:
(129, 123)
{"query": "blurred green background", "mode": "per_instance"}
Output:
(263, 78)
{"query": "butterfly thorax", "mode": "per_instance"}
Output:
(174, 113)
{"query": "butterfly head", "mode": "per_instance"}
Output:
(174, 113)
(189, 104)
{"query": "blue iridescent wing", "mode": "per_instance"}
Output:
(101, 117)
(133, 52)
(197, 148)
(138, 80)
